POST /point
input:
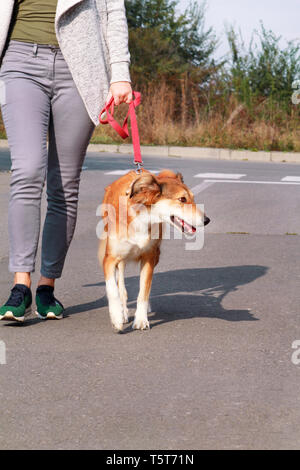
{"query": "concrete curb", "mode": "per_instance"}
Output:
(194, 152)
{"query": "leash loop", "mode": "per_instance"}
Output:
(123, 130)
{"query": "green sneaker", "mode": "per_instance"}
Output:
(18, 305)
(47, 306)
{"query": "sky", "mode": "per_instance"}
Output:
(281, 16)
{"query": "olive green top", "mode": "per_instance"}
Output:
(33, 21)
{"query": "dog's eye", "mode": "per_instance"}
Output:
(182, 199)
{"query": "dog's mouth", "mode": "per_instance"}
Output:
(182, 225)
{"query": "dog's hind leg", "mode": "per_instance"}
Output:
(122, 289)
(114, 301)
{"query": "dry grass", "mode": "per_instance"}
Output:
(168, 116)
(165, 119)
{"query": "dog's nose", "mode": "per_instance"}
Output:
(206, 220)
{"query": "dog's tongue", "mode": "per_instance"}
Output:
(187, 228)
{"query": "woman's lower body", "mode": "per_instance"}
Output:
(40, 98)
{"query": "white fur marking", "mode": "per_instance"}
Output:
(141, 321)
(114, 303)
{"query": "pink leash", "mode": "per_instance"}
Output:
(123, 131)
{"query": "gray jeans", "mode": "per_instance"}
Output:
(39, 97)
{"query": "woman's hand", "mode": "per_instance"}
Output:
(121, 91)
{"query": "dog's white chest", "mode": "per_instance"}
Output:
(130, 248)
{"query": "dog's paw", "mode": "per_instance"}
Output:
(117, 326)
(141, 324)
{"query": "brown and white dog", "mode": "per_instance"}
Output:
(134, 208)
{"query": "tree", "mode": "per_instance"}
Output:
(265, 69)
(164, 44)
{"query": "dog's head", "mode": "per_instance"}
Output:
(170, 200)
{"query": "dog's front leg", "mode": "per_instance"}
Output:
(122, 289)
(141, 318)
(114, 301)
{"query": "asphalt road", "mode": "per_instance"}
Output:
(214, 372)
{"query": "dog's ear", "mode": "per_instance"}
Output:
(145, 186)
(171, 174)
(179, 177)
(167, 174)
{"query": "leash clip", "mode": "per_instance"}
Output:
(139, 167)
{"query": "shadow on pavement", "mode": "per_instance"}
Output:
(188, 293)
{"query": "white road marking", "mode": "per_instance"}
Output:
(291, 178)
(255, 182)
(207, 183)
(118, 172)
(201, 187)
(232, 176)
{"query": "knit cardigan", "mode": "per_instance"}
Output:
(93, 37)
